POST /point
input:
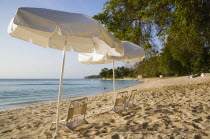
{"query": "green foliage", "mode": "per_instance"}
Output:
(169, 66)
(148, 68)
(92, 77)
(104, 73)
(127, 20)
(120, 72)
(181, 27)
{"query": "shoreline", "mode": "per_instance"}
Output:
(127, 79)
(184, 97)
(141, 82)
(55, 100)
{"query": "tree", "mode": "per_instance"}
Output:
(148, 68)
(127, 20)
(181, 27)
(189, 36)
(168, 65)
(120, 72)
(103, 73)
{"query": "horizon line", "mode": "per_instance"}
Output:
(36, 78)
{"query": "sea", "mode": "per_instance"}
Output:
(17, 93)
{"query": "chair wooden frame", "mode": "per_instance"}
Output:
(130, 102)
(77, 108)
(120, 102)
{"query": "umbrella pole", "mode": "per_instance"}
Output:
(60, 91)
(113, 80)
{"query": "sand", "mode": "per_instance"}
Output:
(176, 107)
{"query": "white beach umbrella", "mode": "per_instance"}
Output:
(132, 53)
(63, 31)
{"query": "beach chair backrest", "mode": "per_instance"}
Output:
(132, 95)
(77, 107)
(121, 98)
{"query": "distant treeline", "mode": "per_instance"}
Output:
(92, 77)
(175, 34)
(120, 72)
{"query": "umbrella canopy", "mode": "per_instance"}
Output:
(63, 31)
(132, 53)
(57, 29)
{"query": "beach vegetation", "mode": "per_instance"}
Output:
(92, 77)
(120, 72)
(174, 34)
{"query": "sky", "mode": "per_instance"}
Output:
(24, 60)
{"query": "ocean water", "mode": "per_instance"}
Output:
(16, 93)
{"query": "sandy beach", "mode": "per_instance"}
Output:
(176, 107)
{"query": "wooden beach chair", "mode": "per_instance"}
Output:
(120, 102)
(76, 114)
(130, 102)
